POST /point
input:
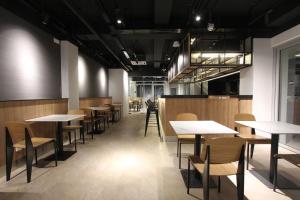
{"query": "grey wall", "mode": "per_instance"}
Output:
(29, 61)
(93, 78)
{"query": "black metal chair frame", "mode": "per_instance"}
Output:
(28, 154)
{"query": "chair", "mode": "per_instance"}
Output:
(182, 138)
(252, 138)
(152, 109)
(88, 121)
(218, 157)
(73, 128)
(20, 136)
(291, 158)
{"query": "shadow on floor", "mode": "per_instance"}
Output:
(20, 195)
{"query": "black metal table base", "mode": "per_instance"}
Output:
(195, 182)
(61, 156)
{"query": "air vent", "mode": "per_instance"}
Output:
(133, 62)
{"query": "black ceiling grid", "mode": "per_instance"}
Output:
(149, 28)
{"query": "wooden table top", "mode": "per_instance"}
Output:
(56, 118)
(200, 127)
(272, 127)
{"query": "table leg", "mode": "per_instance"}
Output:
(274, 150)
(197, 149)
(60, 139)
(197, 146)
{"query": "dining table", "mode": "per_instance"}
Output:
(59, 119)
(199, 129)
(274, 128)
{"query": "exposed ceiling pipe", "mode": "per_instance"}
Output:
(95, 33)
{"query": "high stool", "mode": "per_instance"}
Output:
(152, 109)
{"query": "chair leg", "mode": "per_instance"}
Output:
(92, 132)
(69, 135)
(157, 121)
(29, 159)
(240, 186)
(177, 147)
(36, 158)
(219, 184)
(248, 146)
(179, 160)
(252, 150)
(55, 152)
(147, 121)
(75, 143)
(9, 159)
(205, 181)
(188, 176)
(275, 172)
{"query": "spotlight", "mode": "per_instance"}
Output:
(197, 18)
(119, 21)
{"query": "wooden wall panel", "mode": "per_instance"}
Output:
(86, 102)
(245, 106)
(219, 110)
(22, 110)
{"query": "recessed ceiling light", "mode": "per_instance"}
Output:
(197, 18)
(119, 21)
(169, 58)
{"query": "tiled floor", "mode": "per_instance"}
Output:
(123, 164)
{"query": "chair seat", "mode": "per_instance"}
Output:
(36, 142)
(183, 136)
(292, 158)
(255, 139)
(215, 169)
(72, 127)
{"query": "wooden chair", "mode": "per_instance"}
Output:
(184, 139)
(71, 128)
(88, 120)
(292, 158)
(251, 138)
(20, 136)
(218, 157)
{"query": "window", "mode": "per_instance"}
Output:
(289, 106)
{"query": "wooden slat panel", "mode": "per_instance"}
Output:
(219, 110)
(245, 106)
(86, 102)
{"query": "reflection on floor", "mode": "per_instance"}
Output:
(123, 164)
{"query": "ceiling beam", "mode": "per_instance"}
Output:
(76, 13)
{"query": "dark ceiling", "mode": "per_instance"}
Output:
(150, 27)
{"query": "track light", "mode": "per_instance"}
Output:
(119, 21)
(197, 18)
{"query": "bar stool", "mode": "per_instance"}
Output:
(151, 108)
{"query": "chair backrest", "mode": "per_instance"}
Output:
(186, 117)
(76, 112)
(223, 149)
(243, 117)
(16, 130)
(87, 112)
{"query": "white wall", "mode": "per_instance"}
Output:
(69, 74)
(118, 87)
(263, 79)
(246, 81)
